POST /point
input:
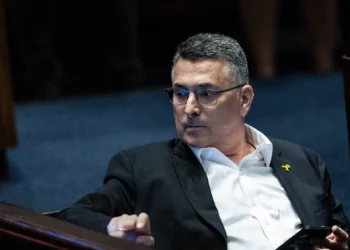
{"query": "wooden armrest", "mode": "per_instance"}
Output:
(51, 213)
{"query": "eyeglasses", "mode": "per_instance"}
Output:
(179, 96)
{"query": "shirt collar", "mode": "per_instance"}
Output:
(261, 143)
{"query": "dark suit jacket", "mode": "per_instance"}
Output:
(166, 181)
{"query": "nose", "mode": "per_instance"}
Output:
(192, 106)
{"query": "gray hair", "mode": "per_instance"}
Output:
(215, 46)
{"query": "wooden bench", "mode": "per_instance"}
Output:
(23, 228)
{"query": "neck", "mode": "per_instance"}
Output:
(237, 147)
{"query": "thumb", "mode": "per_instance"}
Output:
(143, 225)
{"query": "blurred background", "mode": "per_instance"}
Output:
(87, 81)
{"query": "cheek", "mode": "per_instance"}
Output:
(178, 113)
(226, 115)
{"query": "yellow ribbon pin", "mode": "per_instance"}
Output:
(286, 167)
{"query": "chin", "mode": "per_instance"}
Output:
(194, 141)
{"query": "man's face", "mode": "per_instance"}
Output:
(202, 125)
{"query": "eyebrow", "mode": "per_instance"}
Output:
(201, 85)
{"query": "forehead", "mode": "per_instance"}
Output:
(214, 72)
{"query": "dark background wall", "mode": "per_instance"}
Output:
(83, 44)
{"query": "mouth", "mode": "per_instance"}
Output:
(194, 126)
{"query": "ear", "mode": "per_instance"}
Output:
(246, 98)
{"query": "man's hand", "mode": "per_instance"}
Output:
(337, 240)
(132, 228)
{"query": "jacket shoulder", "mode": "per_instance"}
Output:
(283, 145)
(160, 148)
(291, 150)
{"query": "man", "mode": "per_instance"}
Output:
(223, 184)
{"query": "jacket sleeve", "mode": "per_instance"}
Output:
(116, 197)
(339, 217)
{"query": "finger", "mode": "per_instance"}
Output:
(323, 243)
(340, 233)
(113, 228)
(143, 225)
(117, 233)
(145, 240)
(127, 223)
(330, 237)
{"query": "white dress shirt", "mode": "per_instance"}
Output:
(252, 204)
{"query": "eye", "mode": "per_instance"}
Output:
(180, 92)
(206, 92)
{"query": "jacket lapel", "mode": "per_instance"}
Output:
(294, 187)
(194, 183)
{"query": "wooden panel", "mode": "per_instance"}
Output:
(8, 137)
(32, 230)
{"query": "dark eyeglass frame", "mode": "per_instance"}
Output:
(170, 93)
